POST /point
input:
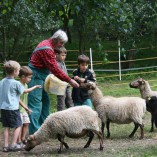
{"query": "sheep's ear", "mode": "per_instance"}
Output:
(148, 98)
(143, 82)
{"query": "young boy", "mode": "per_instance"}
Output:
(10, 91)
(82, 75)
(25, 77)
(66, 99)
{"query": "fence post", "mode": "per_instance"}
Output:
(120, 75)
(91, 60)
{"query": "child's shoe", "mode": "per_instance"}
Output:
(5, 149)
(15, 147)
(22, 145)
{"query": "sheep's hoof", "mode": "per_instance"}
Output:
(86, 146)
(66, 146)
(131, 136)
(59, 151)
(108, 136)
(141, 138)
(101, 148)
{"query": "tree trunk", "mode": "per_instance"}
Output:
(81, 42)
(4, 44)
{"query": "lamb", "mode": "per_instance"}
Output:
(151, 106)
(121, 110)
(146, 92)
(74, 122)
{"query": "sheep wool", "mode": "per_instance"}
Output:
(79, 118)
(74, 122)
(121, 110)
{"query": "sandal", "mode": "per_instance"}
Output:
(5, 149)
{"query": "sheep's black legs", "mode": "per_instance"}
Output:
(91, 135)
(108, 128)
(61, 139)
(135, 128)
(100, 139)
(102, 128)
(152, 123)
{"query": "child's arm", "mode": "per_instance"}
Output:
(32, 88)
(25, 107)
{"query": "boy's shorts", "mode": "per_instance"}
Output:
(25, 118)
(11, 118)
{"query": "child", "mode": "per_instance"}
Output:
(25, 77)
(10, 91)
(82, 74)
(66, 99)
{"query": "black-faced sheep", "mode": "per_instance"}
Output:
(121, 110)
(74, 122)
(146, 92)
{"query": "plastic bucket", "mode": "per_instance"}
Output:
(54, 85)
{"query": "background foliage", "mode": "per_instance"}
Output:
(23, 23)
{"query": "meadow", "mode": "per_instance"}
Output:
(119, 144)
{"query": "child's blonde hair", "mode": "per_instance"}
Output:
(25, 71)
(11, 66)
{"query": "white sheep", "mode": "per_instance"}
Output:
(146, 92)
(144, 88)
(74, 122)
(121, 110)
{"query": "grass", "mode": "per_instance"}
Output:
(119, 145)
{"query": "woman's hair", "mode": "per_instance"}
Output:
(83, 59)
(60, 50)
(26, 71)
(60, 35)
(10, 66)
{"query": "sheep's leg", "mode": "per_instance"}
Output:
(102, 128)
(135, 129)
(142, 132)
(91, 135)
(61, 139)
(101, 140)
(108, 128)
(152, 123)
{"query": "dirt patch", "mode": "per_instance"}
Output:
(112, 147)
(118, 145)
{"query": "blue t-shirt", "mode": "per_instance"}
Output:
(10, 91)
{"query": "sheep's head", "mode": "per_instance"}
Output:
(90, 86)
(30, 142)
(137, 83)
